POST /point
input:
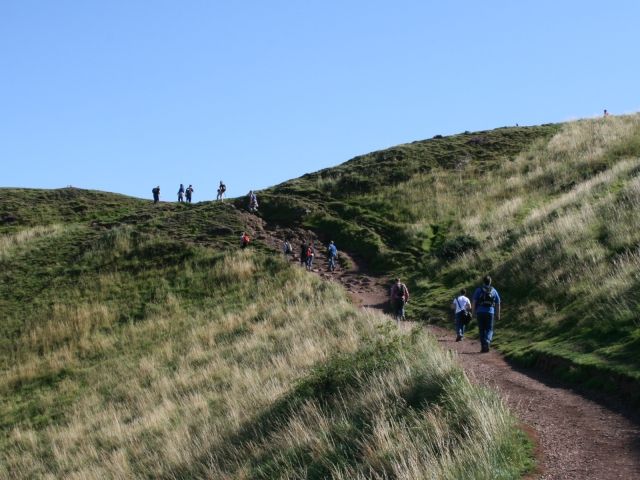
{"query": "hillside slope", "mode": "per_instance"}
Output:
(139, 341)
(549, 211)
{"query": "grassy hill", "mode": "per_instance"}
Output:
(137, 341)
(550, 212)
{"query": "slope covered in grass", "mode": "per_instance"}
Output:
(138, 342)
(550, 212)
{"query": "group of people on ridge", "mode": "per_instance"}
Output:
(182, 193)
(187, 193)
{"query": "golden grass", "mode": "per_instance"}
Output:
(173, 407)
(10, 242)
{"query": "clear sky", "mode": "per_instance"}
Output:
(123, 95)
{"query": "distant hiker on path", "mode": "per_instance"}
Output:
(309, 257)
(244, 240)
(286, 248)
(461, 307)
(399, 296)
(189, 192)
(332, 253)
(221, 189)
(253, 202)
(181, 193)
(156, 194)
(303, 254)
(486, 306)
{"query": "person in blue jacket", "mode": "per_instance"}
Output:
(486, 307)
(332, 253)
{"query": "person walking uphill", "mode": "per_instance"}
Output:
(461, 307)
(399, 297)
(244, 240)
(486, 306)
(303, 254)
(156, 194)
(332, 253)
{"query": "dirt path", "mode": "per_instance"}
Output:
(576, 438)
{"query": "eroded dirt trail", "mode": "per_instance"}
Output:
(578, 439)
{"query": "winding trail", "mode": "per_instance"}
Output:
(576, 438)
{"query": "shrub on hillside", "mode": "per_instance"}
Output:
(455, 247)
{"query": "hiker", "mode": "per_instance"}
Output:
(156, 194)
(181, 193)
(221, 189)
(461, 307)
(286, 248)
(332, 253)
(399, 297)
(606, 113)
(189, 192)
(253, 202)
(244, 240)
(309, 257)
(303, 254)
(486, 307)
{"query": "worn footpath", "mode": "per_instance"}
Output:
(576, 438)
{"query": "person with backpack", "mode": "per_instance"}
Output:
(244, 240)
(156, 194)
(486, 307)
(332, 254)
(189, 193)
(181, 193)
(309, 257)
(461, 307)
(221, 189)
(303, 254)
(399, 296)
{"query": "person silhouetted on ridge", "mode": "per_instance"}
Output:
(156, 194)
(253, 201)
(189, 193)
(221, 189)
(181, 193)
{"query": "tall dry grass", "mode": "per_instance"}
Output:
(183, 393)
(10, 242)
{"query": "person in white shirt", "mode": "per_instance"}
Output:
(461, 306)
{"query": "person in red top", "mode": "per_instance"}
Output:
(244, 240)
(399, 297)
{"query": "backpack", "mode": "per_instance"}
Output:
(487, 297)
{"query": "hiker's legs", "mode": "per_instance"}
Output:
(485, 327)
(459, 325)
(400, 309)
(332, 263)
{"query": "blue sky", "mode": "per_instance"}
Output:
(125, 95)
